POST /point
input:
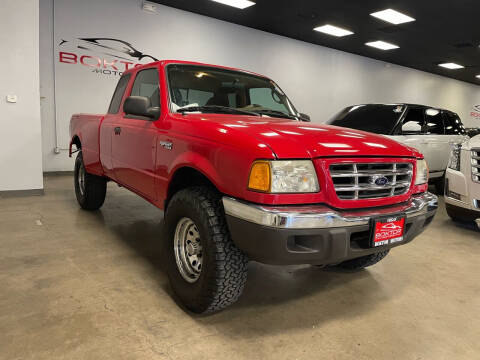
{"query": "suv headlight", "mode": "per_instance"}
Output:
(422, 172)
(455, 156)
(283, 176)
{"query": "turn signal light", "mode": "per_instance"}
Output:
(260, 177)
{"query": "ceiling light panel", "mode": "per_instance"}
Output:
(333, 30)
(451, 66)
(239, 4)
(392, 16)
(382, 45)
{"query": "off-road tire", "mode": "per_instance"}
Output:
(224, 266)
(364, 261)
(95, 187)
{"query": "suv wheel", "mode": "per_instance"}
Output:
(206, 270)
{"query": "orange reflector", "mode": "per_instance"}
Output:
(259, 179)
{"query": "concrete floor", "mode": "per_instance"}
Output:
(79, 285)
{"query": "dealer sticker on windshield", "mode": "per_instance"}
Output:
(388, 230)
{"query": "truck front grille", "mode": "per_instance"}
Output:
(476, 165)
(354, 181)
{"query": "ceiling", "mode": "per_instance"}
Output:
(444, 31)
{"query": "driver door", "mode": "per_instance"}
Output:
(134, 140)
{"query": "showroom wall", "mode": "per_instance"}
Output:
(320, 81)
(20, 128)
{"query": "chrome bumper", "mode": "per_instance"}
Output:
(321, 216)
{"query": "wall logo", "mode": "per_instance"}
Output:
(105, 56)
(475, 111)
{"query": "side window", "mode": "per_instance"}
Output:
(434, 122)
(118, 94)
(453, 124)
(413, 122)
(146, 84)
(265, 98)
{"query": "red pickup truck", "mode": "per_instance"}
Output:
(242, 175)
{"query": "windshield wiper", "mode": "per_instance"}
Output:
(216, 108)
(275, 113)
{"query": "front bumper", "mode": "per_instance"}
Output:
(317, 234)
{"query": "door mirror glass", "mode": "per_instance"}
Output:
(411, 127)
(413, 122)
(140, 106)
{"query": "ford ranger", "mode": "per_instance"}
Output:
(242, 175)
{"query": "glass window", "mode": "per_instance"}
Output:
(118, 94)
(413, 122)
(146, 84)
(267, 97)
(453, 124)
(378, 119)
(434, 122)
(212, 88)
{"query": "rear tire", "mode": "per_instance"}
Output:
(90, 190)
(364, 261)
(206, 270)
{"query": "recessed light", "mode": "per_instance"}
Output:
(451, 66)
(392, 16)
(478, 76)
(240, 4)
(333, 30)
(382, 45)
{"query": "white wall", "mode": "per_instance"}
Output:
(20, 128)
(320, 81)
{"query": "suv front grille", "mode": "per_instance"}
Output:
(354, 181)
(476, 165)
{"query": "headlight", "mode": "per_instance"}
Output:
(455, 156)
(422, 173)
(283, 176)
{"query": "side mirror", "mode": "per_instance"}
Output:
(140, 106)
(304, 117)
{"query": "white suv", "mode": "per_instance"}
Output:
(432, 131)
(462, 184)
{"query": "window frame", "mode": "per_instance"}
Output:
(132, 84)
(128, 77)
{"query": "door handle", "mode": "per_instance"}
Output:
(117, 130)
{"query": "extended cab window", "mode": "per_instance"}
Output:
(434, 122)
(118, 94)
(146, 84)
(453, 124)
(378, 119)
(413, 122)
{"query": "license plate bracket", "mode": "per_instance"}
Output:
(388, 230)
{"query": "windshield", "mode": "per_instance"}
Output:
(378, 119)
(216, 90)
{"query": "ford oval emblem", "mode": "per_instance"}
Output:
(381, 181)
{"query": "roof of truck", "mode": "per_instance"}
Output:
(193, 63)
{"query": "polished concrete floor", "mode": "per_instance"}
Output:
(79, 285)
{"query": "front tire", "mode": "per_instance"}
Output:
(363, 262)
(90, 190)
(206, 270)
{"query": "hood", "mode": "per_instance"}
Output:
(293, 139)
(473, 143)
